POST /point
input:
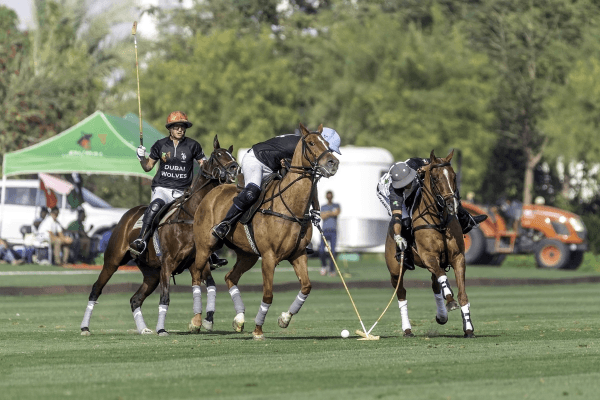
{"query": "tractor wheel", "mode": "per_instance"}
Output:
(552, 254)
(474, 246)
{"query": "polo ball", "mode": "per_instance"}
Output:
(345, 333)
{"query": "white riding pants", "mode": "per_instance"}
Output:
(166, 194)
(254, 171)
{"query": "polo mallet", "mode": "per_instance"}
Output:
(364, 334)
(137, 71)
(390, 302)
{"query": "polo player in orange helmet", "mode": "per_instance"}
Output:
(175, 173)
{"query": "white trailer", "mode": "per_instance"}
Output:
(363, 221)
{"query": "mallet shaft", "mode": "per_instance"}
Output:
(137, 72)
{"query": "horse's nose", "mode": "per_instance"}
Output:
(332, 165)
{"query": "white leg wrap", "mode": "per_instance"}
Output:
(466, 315)
(197, 299)
(442, 313)
(238, 304)
(403, 305)
(139, 320)
(211, 296)
(262, 313)
(88, 314)
(443, 281)
(298, 302)
(162, 315)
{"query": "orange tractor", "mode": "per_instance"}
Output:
(558, 238)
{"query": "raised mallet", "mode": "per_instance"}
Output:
(137, 72)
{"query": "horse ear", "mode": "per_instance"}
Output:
(303, 130)
(216, 143)
(432, 157)
(230, 149)
(320, 129)
(449, 157)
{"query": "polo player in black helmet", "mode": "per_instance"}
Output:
(397, 190)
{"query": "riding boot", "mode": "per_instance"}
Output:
(216, 262)
(467, 221)
(222, 228)
(138, 246)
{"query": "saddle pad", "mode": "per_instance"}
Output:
(138, 223)
(248, 214)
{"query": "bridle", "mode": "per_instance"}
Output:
(440, 206)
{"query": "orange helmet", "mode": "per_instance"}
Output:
(177, 117)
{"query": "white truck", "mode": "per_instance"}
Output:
(363, 221)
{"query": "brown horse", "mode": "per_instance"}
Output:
(439, 243)
(282, 228)
(176, 245)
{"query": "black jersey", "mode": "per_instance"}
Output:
(176, 167)
(270, 152)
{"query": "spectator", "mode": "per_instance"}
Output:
(7, 255)
(50, 229)
(82, 241)
(511, 210)
(329, 214)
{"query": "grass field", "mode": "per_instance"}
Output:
(533, 342)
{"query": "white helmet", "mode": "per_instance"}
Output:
(401, 174)
(333, 138)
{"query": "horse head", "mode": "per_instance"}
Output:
(316, 153)
(221, 165)
(442, 182)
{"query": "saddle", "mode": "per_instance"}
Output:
(248, 214)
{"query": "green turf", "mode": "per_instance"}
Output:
(369, 268)
(534, 342)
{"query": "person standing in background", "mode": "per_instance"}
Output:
(329, 214)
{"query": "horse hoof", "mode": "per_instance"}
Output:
(146, 331)
(284, 319)
(193, 328)
(258, 337)
(85, 332)
(408, 333)
(238, 323)
(441, 321)
(469, 335)
(208, 325)
(452, 305)
(162, 332)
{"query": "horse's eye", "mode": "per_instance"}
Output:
(311, 143)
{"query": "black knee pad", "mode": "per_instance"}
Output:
(247, 197)
(153, 208)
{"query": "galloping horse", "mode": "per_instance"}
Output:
(176, 245)
(439, 244)
(282, 228)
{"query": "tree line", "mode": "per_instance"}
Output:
(513, 85)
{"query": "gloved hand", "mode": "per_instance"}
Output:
(400, 242)
(316, 217)
(141, 152)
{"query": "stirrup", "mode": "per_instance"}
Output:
(221, 230)
(216, 262)
(136, 251)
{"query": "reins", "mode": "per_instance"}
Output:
(438, 203)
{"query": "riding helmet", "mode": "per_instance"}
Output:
(401, 175)
(333, 138)
(177, 117)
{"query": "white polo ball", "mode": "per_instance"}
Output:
(345, 333)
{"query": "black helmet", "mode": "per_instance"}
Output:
(401, 175)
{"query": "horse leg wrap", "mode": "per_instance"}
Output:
(262, 313)
(238, 304)
(297, 304)
(211, 294)
(88, 314)
(139, 320)
(197, 299)
(162, 315)
(403, 305)
(443, 281)
(442, 313)
(466, 316)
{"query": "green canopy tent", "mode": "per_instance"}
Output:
(100, 144)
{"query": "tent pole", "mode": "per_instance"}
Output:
(3, 199)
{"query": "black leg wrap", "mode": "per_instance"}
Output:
(210, 316)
